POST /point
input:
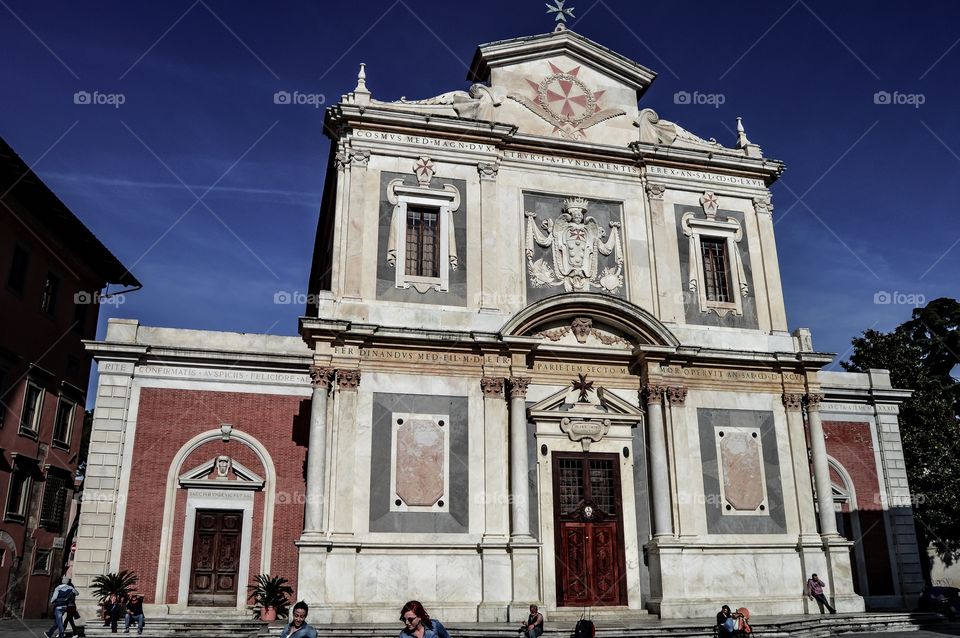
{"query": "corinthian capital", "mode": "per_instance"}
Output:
(653, 393)
(792, 400)
(321, 377)
(348, 380)
(488, 170)
(677, 394)
(492, 387)
(518, 387)
(813, 401)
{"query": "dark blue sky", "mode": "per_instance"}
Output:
(868, 203)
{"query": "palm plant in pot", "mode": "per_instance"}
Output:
(120, 583)
(270, 597)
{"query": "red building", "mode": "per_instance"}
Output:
(52, 273)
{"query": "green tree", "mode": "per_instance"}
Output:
(921, 355)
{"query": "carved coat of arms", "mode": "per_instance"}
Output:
(576, 243)
(566, 102)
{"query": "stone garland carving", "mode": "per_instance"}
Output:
(321, 377)
(582, 327)
(488, 170)
(576, 243)
(348, 380)
(518, 387)
(792, 400)
(348, 156)
(677, 394)
(763, 205)
(656, 191)
(492, 387)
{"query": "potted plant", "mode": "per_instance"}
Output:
(270, 597)
(120, 583)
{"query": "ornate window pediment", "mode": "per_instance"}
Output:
(716, 273)
(584, 413)
(421, 243)
(221, 472)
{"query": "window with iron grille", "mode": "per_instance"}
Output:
(54, 502)
(41, 562)
(715, 269)
(423, 241)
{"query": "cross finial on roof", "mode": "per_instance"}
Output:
(561, 13)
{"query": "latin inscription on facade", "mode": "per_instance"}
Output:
(416, 140)
(208, 374)
(707, 177)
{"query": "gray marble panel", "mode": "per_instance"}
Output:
(774, 521)
(691, 304)
(387, 289)
(456, 521)
(551, 207)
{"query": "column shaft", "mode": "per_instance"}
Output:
(519, 466)
(659, 475)
(316, 451)
(821, 470)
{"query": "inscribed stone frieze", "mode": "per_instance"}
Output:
(719, 374)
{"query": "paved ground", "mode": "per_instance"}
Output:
(952, 629)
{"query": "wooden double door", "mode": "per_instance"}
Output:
(216, 558)
(588, 519)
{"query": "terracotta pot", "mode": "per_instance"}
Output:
(268, 613)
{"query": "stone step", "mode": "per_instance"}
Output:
(196, 626)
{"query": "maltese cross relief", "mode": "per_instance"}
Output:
(563, 100)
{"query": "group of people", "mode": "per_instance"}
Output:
(417, 623)
(736, 623)
(130, 607)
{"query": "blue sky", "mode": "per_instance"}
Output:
(867, 205)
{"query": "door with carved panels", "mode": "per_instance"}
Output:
(216, 558)
(588, 520)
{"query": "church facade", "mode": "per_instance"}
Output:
(545, 359)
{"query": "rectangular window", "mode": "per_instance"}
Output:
(79, 317)
(54, 502)
(41, 562)
(17, 277)
(51, 291)
(423, 241)
(32, 406)
(715, 269)
(4, 391)
(62, 425)
(18, 495)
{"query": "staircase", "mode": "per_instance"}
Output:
(608, 626)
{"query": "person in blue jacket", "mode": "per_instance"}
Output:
(417, 622)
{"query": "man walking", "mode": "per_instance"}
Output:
(815, 591)
(65, 595)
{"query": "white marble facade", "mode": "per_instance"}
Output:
(559, 312)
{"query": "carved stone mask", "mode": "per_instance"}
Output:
(581, 327)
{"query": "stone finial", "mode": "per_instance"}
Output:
(792, 400)
(492, 387)
(518, 387)
(321, 377)
(677, 394)
(361, 94)
(742, 141)
(348, 380)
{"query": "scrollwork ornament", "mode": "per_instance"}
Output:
(655, 191)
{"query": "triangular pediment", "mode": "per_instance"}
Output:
(600, 404)
(222, 472)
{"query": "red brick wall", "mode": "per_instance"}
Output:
(169, 418)
(849, 442)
